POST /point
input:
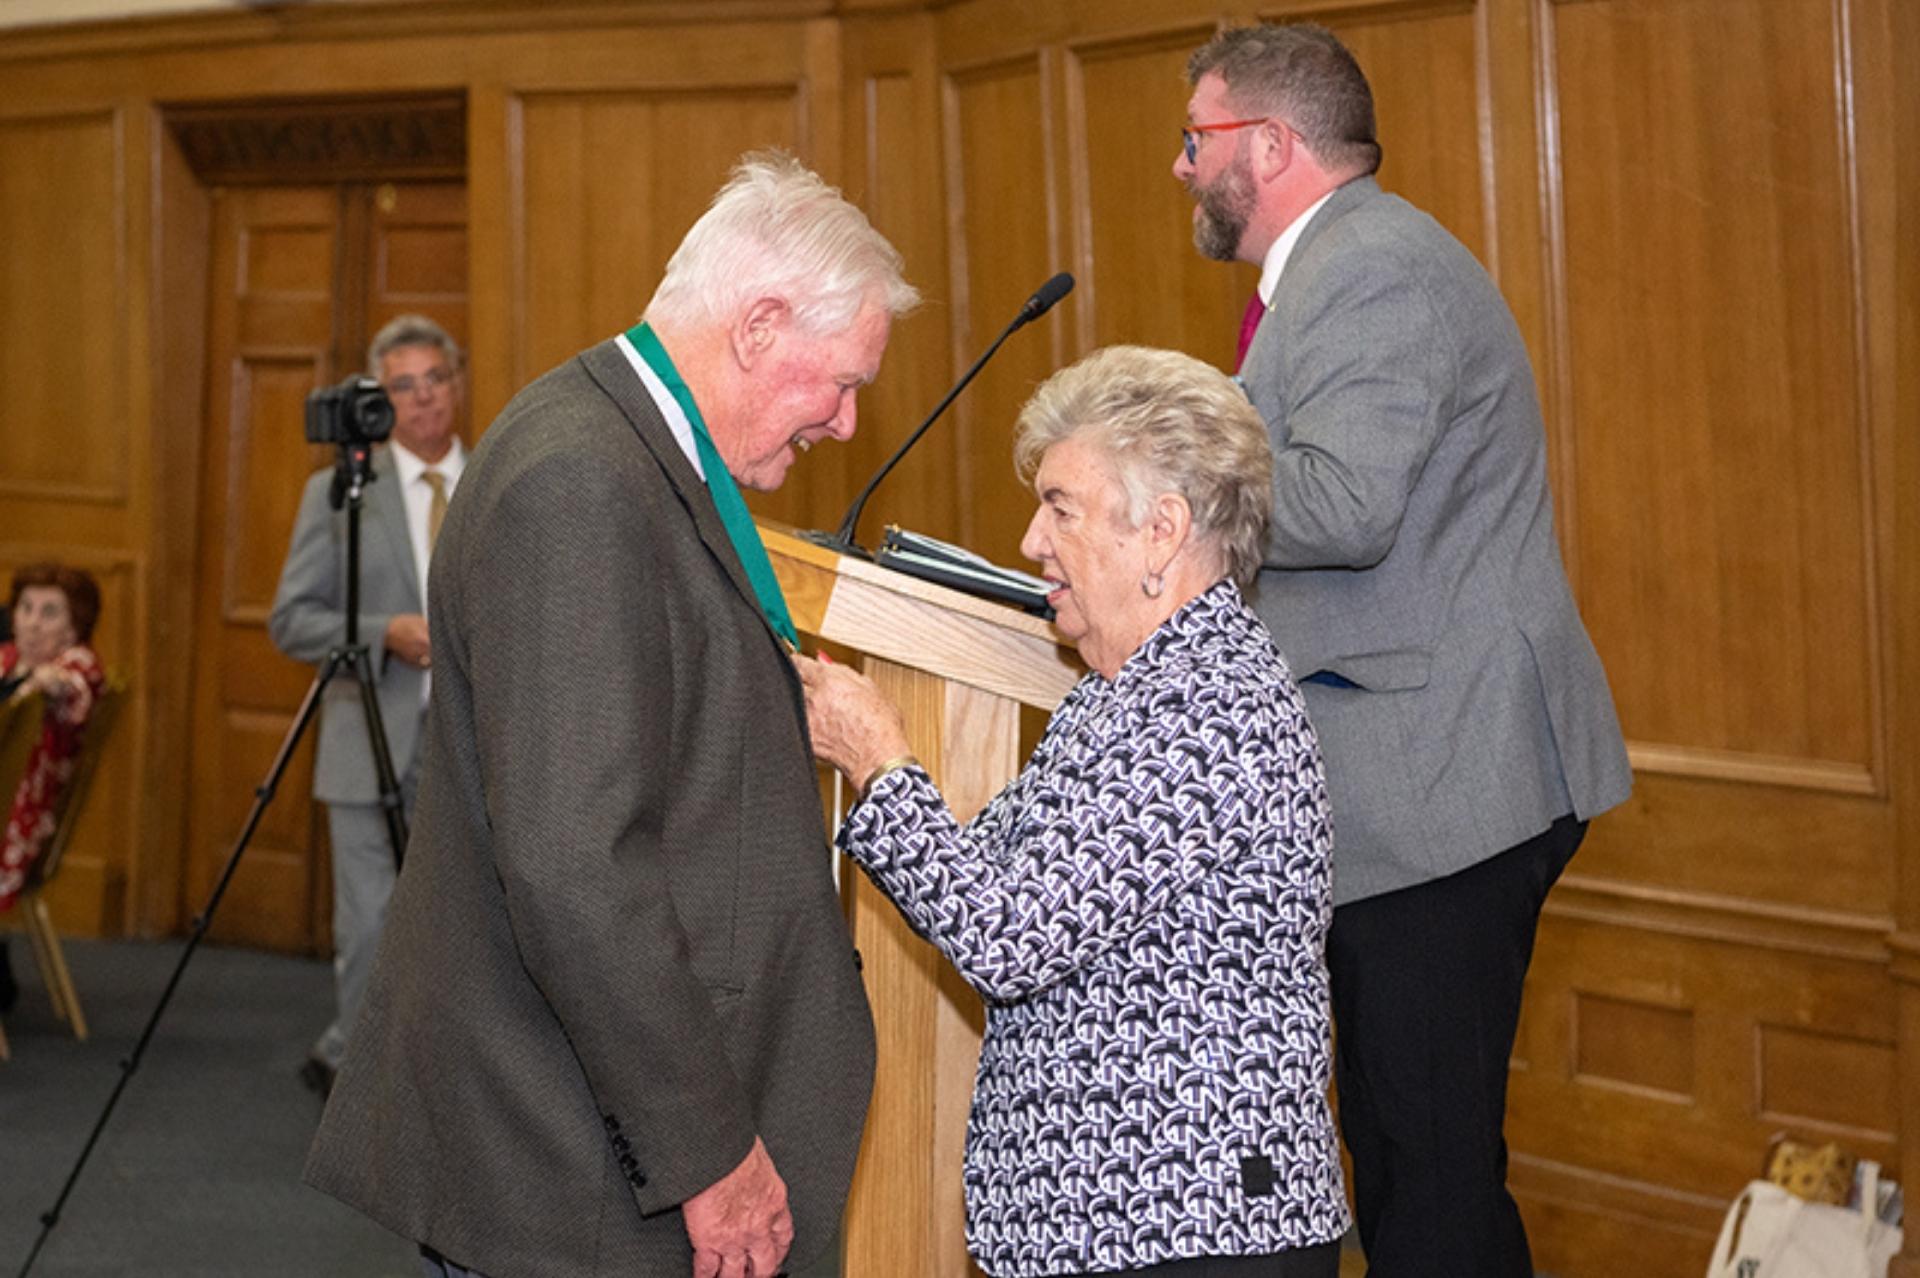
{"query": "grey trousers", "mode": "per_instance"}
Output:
(363, 877)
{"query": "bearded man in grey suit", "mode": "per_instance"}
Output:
(616, 1024)
(414, 476)
(1413, 581)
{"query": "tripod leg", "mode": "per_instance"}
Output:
(263, 796)
(390, 800)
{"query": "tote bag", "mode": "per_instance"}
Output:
(1771, 1233)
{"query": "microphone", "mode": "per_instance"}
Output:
(1033, 308)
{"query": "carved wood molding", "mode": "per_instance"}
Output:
(1905, 950)
(1687, 1215)
(324, 140)
(390, 19)
(1755, 769)
(1703, 916)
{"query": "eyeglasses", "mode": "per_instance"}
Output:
(426, 384)
(1190, 136)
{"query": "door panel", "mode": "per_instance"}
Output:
(300, 278)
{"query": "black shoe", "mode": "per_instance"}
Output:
(318, 1076)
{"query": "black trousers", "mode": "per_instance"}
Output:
(1322, 1261)
(1426, 1000)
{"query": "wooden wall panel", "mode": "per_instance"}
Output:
(267, 444)
(610, 181)
(1714, 329)
(419, 251)
(1004, 244)
(1755, 842)
(1816, 1081)
(1431, 111)
(1633, 1045)
(1141, 279)
(920, 493)
(1659, 1064)
(58, 369)
(67, 464)
(893, 170)
(275, 255)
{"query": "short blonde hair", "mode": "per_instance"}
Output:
(775, 229)
(1169, 423)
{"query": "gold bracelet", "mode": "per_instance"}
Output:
(891, 765)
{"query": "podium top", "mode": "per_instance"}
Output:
(991, 646)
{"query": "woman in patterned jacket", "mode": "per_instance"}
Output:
(1144, 907)
(53, 610)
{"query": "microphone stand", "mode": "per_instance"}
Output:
(350, 481)
(1036, 306)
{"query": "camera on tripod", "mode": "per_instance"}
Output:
(357, 411)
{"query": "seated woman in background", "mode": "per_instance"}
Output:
(53, 609)
(1145, 906)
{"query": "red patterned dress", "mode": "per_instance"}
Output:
(30, 823)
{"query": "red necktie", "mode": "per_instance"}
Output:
(1249, 323)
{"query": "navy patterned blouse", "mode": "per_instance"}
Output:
(1144, 909)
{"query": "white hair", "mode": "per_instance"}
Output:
(1169, 424)
(410, 330)
(776, 230)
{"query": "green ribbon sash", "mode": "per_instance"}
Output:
(726, 494)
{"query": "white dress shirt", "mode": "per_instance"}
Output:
(663, 400)
(1276, 260)
(418, 495)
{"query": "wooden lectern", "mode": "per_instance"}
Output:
(960, 668)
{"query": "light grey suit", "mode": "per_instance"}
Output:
(309, 618)
(1413, 555)
(617, 953)
(1413, 581)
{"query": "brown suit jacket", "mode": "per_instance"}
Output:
(616, 954)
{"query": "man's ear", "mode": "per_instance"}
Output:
(1276, 148)
(753, 334)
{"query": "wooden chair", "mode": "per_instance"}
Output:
(19, 729)
(66, 815)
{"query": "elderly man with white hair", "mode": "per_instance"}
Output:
(616, 1023)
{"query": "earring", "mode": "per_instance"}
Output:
(1152, 584)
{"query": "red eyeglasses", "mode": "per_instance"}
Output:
(1190, 135)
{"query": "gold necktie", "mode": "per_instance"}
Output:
(437, 508)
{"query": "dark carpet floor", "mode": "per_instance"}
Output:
(198, 1171)
(197, 1174)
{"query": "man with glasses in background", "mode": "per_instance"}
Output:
(419, 366)
(1413, 581)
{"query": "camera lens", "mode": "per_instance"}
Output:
(374, 413)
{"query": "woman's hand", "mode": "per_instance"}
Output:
(51, 681)
(854, 727)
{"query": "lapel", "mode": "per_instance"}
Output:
(615, 377)
(1339, 206)
(386, 507)
(1342, 201)
(1264, 369)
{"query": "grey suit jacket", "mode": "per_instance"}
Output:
(1412, 565)
(310, 616)
(616, 954)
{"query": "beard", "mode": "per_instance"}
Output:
(1225, 209)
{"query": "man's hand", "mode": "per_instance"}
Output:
(406, 639)
(739, 1225)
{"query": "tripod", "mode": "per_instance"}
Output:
(352, 474)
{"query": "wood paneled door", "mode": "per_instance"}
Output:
(301, 277)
